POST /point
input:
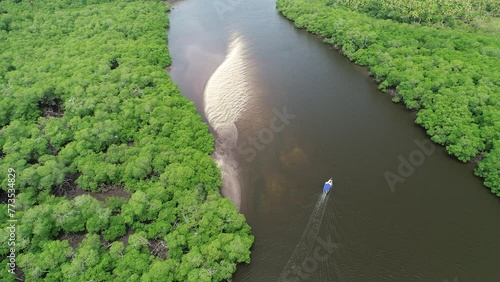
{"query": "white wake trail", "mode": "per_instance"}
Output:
(308, 237)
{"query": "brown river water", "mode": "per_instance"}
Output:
(288, 113)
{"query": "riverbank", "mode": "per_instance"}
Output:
(450, 76)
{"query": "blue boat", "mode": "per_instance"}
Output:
(328, 186)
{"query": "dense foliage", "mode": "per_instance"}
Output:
(447, 12)
(86, 104)
(451, 77)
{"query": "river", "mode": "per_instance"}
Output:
(300, 112)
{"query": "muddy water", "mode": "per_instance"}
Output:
(300, 113)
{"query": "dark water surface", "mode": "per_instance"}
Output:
(439, 224)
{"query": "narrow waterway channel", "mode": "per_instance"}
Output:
(300, 112)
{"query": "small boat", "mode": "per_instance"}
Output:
(328, 185)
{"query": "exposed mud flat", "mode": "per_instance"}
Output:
(226, 96)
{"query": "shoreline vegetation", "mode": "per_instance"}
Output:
(444, 67)
(114, 178)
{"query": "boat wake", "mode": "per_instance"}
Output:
(308, 238)
(303, 252)
(226, 96)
